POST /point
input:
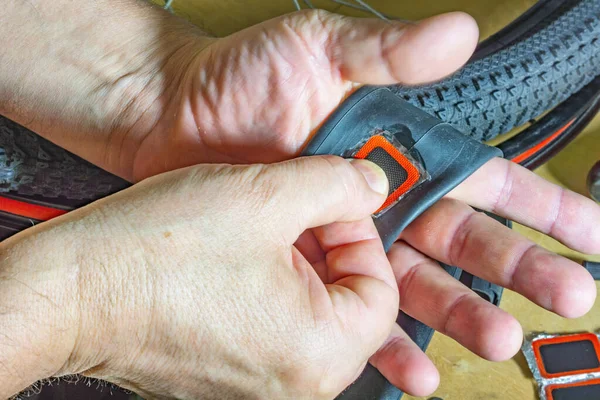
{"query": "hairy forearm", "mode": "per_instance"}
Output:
(89, 75)
(38, 326)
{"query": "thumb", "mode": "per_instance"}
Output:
(373, 51)
(320, 190)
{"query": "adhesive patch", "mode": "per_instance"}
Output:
(575, 391)
(395, 172)
(568, 355)
(402, 173)
(565, 367)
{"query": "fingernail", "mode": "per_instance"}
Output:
(373, 174)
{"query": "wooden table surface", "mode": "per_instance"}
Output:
(464, 375)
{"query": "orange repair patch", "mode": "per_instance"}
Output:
(581, 337)
(551, 388)
(412, 173)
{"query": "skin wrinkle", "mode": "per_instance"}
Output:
(505, 263)
(159, 96)
(459, 239)
(112, 132)
(209, 95)
(199, 86)
(305, 123)
(385, 50)
(397, 351)
(348, 191)
(208, 100)
(316, 317)
(79, 295)
(263, 104)
(304, 43)
(389, 344)
(452, 312)
(289, 26)
(133, 175)
(516, 263)
(504, 195)
(449, 308)
(333, 52)
(408, 277)
(36, 292)
(554, 219)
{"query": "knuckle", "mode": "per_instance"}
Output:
(314, 375)
(258, 190)
(554, 220)
(461, 236)
(318, 32)
(307, 379)
(262, 184)
(518, 263)
(304, 354)
(453, 313)
(312, 371)
(504, 189)
(245, 191)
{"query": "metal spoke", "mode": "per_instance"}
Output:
(351, 5)
(363, 6)
(371, 10)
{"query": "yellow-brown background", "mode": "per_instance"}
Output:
(464, 376)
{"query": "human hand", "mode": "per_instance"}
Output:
(149, 93)
(259, 94)
(188, 285)
(454, 233)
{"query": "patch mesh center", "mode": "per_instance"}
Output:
(402, 174)
(395, 173)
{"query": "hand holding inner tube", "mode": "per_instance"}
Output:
(116, 290)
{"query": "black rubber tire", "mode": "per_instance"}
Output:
(491, 95)
(33, 166)
(508, 88)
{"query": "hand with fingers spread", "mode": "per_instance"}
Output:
(454, 233)
(189, 284)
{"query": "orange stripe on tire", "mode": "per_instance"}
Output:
(524, 156)
(29, 210)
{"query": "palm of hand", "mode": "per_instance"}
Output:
(258, 95)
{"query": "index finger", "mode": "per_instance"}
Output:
(509, 190)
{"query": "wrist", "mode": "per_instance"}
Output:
(92, 78)
(38, 309)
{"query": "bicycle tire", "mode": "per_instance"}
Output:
(506, 89)
(539, 142)
(494, 93)
(31, 166)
